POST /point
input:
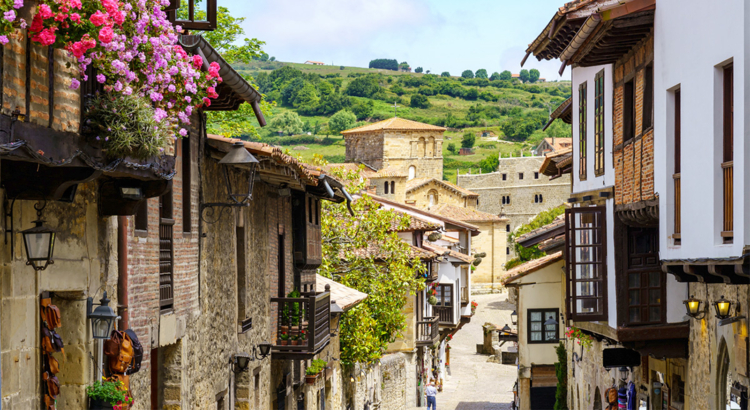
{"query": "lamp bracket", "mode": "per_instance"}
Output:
(729, 320)
(212, 216)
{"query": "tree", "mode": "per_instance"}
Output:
(228, 31)
(419, 101)
(561, 369)
(365, 253)
(481, 73)
(272, 59)
(468, 140)
(506, 75)
(307, 96)
(342, 120)
(467, 74)
(288, 123)
(445, 74)
(490, 163)
(495, 76)
(452, 148)
(363, 109)
(289, 92)
(366, 86)
(471, 94)
(524, 75)
(533, 75)
(418, 70)
(384, 63)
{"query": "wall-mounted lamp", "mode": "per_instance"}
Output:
(723, 308)
(39, 242)
(102, 318)
(240, 362)
(131, 192)
(506, 329)
(694, 307)
(514, 318)
(238, 197)
(336, 313)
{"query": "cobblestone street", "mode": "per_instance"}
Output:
(474, 383)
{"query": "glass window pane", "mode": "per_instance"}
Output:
(536, 316)
(634, 297)
(535, 336)
(654, 314)
(654, 279)
(535, 326)
(634, 280)
(654, 296)
(635, 314)
(550, 335)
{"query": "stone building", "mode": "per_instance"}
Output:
(412, 148)
(517, 191)
(550, 145)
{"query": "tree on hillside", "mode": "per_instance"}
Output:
(481, 73)
(419, 101)
(306, 97)
(467, 74)
(289, 93)
(518, 128)
(495, 76)
(272, 59)
(506, 75)
(288, 123)
(533, 75)
(365, 253)
(384, 63)
(363, 109)
(366, 86)
(524, 76)
(452, 148)
(445, 74)
(471, 94)
(342, 120)
(490, 163)
(468, 140)
(418, 70)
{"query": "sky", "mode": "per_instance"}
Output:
(438, 35)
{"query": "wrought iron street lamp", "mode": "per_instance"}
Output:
(237, 156)
(240, 362)
(102, 318)
(694, 308)
(336, 313)
(514, 318)
(723, 308)
(39, 242)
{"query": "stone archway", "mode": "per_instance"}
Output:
(597, 399)
(725, 378)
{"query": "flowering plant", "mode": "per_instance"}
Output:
(111, 391)
(284, 336)
(134, 49)
(582, 338)
(449, 337)
(10, 20)
(474, 306)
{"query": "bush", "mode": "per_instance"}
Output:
(342, 120)
(468, 140)
(452, 148)
(561, 370)
(445, 74)
(489, 163)
(467, 74)
(363, 109)
(418, 70)
(388, 64)
(419, 101)
(341, 67)
(363, 87)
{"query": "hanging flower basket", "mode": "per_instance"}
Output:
(432, 300)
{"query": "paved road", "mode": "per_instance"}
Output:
(474, 383)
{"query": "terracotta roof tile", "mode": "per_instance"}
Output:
(455, 254)
(465, 214)
(374, 251)
(446, 219)
(420, 182)
(556, 224)
(394, 123)
(554, 162)
(531, 266)
(344, 296)
(416, 224)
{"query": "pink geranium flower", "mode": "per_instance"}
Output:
(98, 18)
(106, 34)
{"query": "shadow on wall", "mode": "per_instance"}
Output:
(482, 405)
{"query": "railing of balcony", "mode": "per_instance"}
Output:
(303, 323)
(428, 331)
(727, 233)
(465, 295)
(444, 314)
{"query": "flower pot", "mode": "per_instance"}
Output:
(95, 404)
(294, 342)
(283, 342)
(310, 378)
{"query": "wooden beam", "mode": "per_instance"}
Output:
(655, 332)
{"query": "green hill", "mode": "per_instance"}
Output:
(510, 112)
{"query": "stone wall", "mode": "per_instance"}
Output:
(420, 197)
(396, 188)
(85, 265)
(366, 147)
(390, 382)
(398, 150)
(492, 239)
(633, 159)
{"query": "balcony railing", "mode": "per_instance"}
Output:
(428, 331)
(444, 314)
(464, 295)
(303, 324)
(726, 233)
(677, 209)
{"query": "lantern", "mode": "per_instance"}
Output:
(264, 349)
(693, 307)
(506, 329)
(514, 318)
(723, 308)
(39, 242)
(239, 156)
(336, 313)
(240, 362)
(102, 318)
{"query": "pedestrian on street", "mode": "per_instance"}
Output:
(431, 392)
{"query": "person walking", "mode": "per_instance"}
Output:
(431, 392)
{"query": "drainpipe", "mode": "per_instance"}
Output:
(122, 272)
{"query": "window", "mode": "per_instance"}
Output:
(166, 252)
(141, 216)
(505, 177)
(412, 172)
(432, 195)
(538, 199)
(676, 175)
(187, 220)
(645, 279)
(281, 266)
(520, 175)
(505, 199)
(728, 157)
(582, 132)
(628, 111)
(648, 99)
(393, 187)
(538, 332)
(599, 124)
(536, 175)
(385, 187)
(507, 228)
(585, 265)
(507, 250)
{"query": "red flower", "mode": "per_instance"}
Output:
(45, 37)
(205, 99)
(197, 61)
(98, 18)
(37, 24)
(106, 34)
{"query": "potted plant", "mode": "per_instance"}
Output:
(294, 339)
(474, 307)
(312, 372)
(302, 337)
(284, 338)
(432, 294)
(108, 395)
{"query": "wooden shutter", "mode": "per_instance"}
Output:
(585, 257)
(582, 131)
(599, 124)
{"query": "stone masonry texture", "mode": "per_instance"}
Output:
(398, 150)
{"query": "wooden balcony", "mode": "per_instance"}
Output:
(464, 295)
(428, 331)
(444, 314)
(306, 319)
(728, 172)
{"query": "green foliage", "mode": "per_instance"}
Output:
(317, 366)
(418, 70)
(419, 101)
(524, 75)
(288, 123)
(452, 148)
(468, 140)
(471, 94)
(490, 163)
(112, 392)
(543, 218)
(533, 75)
(126, 127)
(364, 87)
(388, 64)
(506, 76)
(385, 272)
(467, 74)
(363, 109)
(342, 68)
(495, 76)
(481, 73)
(519, 128)
(445, 74)
(398, 90)
(224, 37)
(561, 370)
(342, 120)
